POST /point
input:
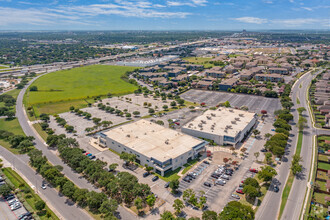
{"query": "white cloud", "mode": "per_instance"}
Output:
(251, 20)
(307, 8)
(301, 21)
(268, 1)
(192, 3)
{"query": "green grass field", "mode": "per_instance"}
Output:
(12, 126)
(3, 67)
(200, 60)
(57, 91)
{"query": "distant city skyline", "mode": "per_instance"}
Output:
(164, 14)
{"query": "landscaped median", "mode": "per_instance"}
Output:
(27, 195)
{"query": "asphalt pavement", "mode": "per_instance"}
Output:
(270, 206)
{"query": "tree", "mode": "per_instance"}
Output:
(167, 215)
(128, 157)
(295, 166)
(33, 88)
(68, 189)
(267, 173)
(180, 101)
(236, 210)
(301, 123)
(257, 154)
(268, 156)
(136, 113)
(138, 203)
(301, 110)
(151, 111)
(226, 104)
(71, 108)
(178, 206)
(113, 166)
(5, 190)
(108, 206)
(256, 132)
(44, 125)
(165, 107)
(173, 103)
(128, 115)
(40, 205)
(209, 215)
(286, 117)
(225, 160)
(150, 200)
(174, 185)
(252, 182)
(148, 168)
(251, 192)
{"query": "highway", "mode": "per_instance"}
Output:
(59, 203)
(270, 206)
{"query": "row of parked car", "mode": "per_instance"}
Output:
(221, 174)
(155, 178)
(15, 204)
(194, 174)
(89, 155)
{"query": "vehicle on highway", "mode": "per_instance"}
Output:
(155, 178)
(235, 196)
(254, 170)
(167, 185)
(207, 184)
(276, 189)
(44, 186)
(146, 174)
(240, 191)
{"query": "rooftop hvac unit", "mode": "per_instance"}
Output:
(204, 122)
(128, 135)
(208, 117)
(145, 133)
(233, 122)
(167, 142)
(237, 119)
(226, 131)
(231, 110)
(229, 126)
(200, 125)
(241, 115)
(201, 128)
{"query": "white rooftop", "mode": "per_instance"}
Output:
(153, 140)
(222, 121)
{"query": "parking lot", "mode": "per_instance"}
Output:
(213, 98)
(11, 208)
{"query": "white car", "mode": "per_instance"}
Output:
(15, 206)
(44, 186)
(13, 201)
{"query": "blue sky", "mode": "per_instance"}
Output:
(164, 14)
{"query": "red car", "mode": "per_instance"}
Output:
(254, 171)
(177, 123)
(87, 153)
(239, 191)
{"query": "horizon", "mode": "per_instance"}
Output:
(163, 15)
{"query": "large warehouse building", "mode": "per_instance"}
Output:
(225, 126)
(162, 148)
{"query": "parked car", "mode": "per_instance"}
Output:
(235, 196)
(87, 153)
(146, 174)
(92, 157)
(12, 201)
(207, 184)
(220, 182)
(167, 185)
(240, 191)
(15, 206)
(276, 189)
(155, 178)
(223, 176)
(187, 179)
(9, 197)
(254, 170)
(206, 162)
(216, 176)
(263, 150)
